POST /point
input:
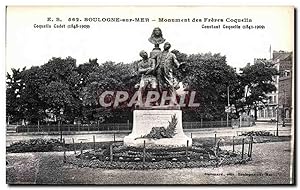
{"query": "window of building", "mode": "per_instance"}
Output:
(274, 112)
(287, 73)
(262, 113)
(269, 112)
(259, 113)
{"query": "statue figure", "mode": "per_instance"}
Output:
(166, 63)
(156, 37)
(157, 72)
(145, 68)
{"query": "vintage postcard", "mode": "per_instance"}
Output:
(146, 95)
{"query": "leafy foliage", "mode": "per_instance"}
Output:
(14, 87)
(62, 91)
(258, 80)
(209, 75)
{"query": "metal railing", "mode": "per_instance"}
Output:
(74, 127)
(205, 124)
(110, 126)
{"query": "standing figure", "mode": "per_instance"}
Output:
(166, 63)
(145, 68)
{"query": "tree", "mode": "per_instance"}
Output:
(257, 80)
(30, 96)
(61, 88)
(84, 70)
(53, 87)
(108, 76)
(14, 86)
(209, 75)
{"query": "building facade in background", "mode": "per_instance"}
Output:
(281, 99)
(285, 83)
(267, 111)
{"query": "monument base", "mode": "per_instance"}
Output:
(145, 120)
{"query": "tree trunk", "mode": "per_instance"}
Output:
(249, 110)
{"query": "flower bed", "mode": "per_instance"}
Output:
(256, 133)
(35, 145)
(156, 157)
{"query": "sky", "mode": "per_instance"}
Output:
(122, 42)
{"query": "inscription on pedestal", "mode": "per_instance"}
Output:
(145, 120)
(153, 120)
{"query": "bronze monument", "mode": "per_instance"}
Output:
(156, 38)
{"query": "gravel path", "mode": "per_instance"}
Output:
(270, 165)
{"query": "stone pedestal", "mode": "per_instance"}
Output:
(145, 120)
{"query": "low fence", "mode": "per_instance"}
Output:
(120, 126)
(72, 127)
(206, 124)
(243, 122)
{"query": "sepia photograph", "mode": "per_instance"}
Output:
(150, 95)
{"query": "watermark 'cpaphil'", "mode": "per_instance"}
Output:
(151, 98)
